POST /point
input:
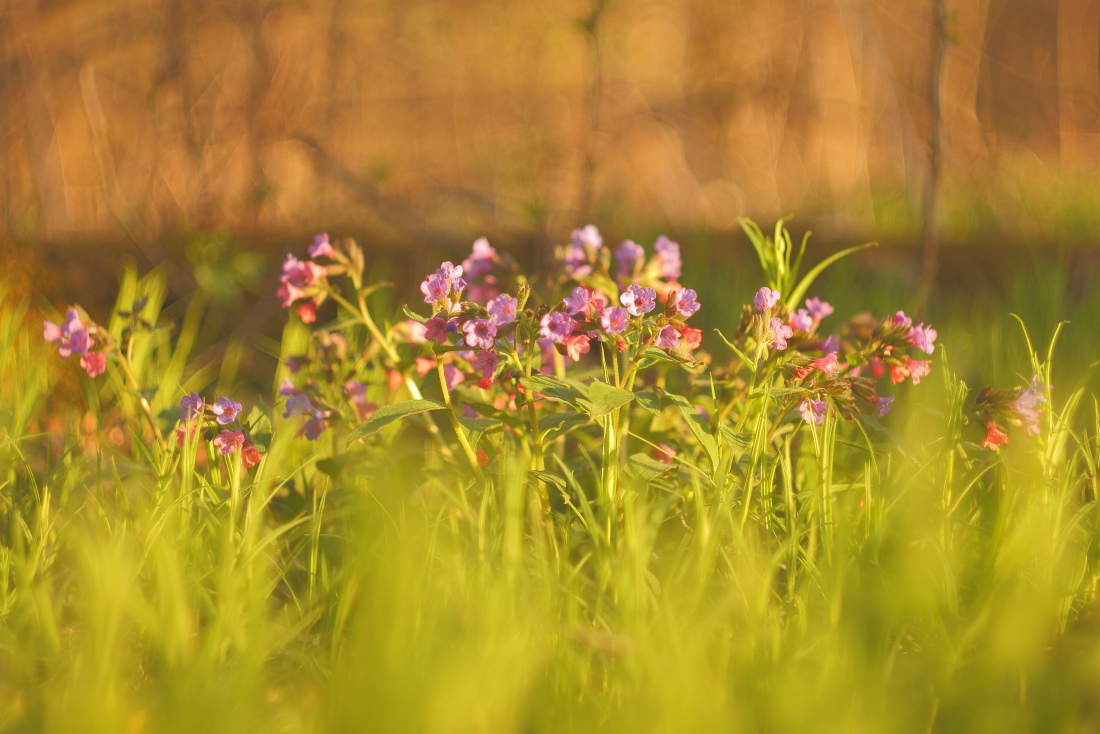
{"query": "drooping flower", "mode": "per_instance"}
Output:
(832, 344)
(684, 302)
(882, 404)
(780, 333)
(480, 261)
(668, 258)
(556, 326)
(225, 410)
(818, 309)
(923, 338)
(693, 338)
(250, 455)
(321, 247)
(813, 411)
(313, 427)
(901, 320)
(298, 403)
(668, 337)
(229, 441)
(502, 309)
(307, 312)
(296, 276)
(191, 406)
(765, 298)
(627, 256)
(480, 333)
(994, 437)
(614, 320)
(826, 364)
(577, 345)
(94, 363)
(435, 329)
(802, 321)
(638, 300)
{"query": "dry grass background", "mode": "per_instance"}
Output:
(423, 120)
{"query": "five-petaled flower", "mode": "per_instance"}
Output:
(225, 410)
(765, 298)
(813, 411)
(638, 300)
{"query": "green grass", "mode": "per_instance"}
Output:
(951, 590)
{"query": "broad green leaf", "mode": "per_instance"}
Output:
(550, 478)
(552, 388)
(698, 426)
(477, 427)
(553, 425)
(606, 398)
(644, 469)
(649, 401)
(389, 413)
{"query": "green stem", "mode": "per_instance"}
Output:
(462, 440)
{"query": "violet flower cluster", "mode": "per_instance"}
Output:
(75, 335)
(220, 423)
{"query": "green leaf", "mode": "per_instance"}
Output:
(606, 398)
(683, 357)
(552, 388)
(414, 315)
(643, 469)
(649, 401)
(554, 425)
(388, 414)
(698, 426)
(549, 478)
(736, 351)
(736, 441)
(804, 285)
(477, 427)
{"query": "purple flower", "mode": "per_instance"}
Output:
(780, 333)
(627, 255)
(556, 326)
(229, 441)
(356, 392)
(575, 262)
(668, 337)
(469, 412)
(923, 338)
(480, 333)
(225, 410)
(485, 362)
(684, 303)
(71, 336)
(818, 309)
(435, 329)
(1029, 406)
(813, 411)
(502, 309)
(802, 321)
(453, 275)
(435, 288)
(321, 246)
(668, 258)
(298, 403)
(765, 298)
(584, 301)
(191, 406)
(882, 404)
(587, 237)
(296, 276)
(614, 320)
(900, 319)
(480, 261)
(452, 376)
(638, 300)
(832, 344)
(312, 428)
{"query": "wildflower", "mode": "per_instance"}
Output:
(832, 344)
(668, 337)
(802, 321)
(480, 261)
(826, 364)
(614, 320)
(994, 437)
(556, 326)
(225, 410)
(191, 405)
(664, 453)
(453, 275)
(424, 365)
(452, 376)
(627, 255)
(357, 394)
(94, 363)
(185, 432)
(417, 333)
(502, 310)
(486, 363)
(882, 404)
(482, 458)
(693, 338)
(298, 403)
(919, 369)
(780, 332)
(312, 428)
(480, 333)
(922, 337)
(229, 441)
(588, 237)
(321, 246)
(435, 329)
(307, 312)
(296, 276)
(468, 412)
(684, 303)
(1028, 407)
(813, 411)
(435, 288)
(250, 455)
(765, 299)
(668, 257)
(818, 309)
(900, 319)
(71, 336)
(579, 301)
(638, 300)
(577, 345)
(394, 378)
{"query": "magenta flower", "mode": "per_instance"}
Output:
(435, 288)
(502, 310)
(832, 344)
(780, 333)
(923, 338)
(684, 302)
(453, 275)
(826, 364)
(668, 258)
(588, 237)
(452, 376)
(480, 333)
(627, 256)
(71, 336)
(765, 298)
(668, 337)
(480, 261)
(802, 321)
(638, 300)
(919, 369)
(584, 301)
(614, 320)
(882, 404)
(556, 326)
(321, 246)
(468, 412)
(191, 405)
(900, 319)
(298, 403)
(435, 329)
(225, 410)
(818, 309)
(485, 362)
(575, 262)
(813, 411)
(228, 442)
(577, 345)
(313, 427)
(94, 363)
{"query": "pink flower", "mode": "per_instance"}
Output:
(994, 437)
(452, 376)
(225, 410)
(898, 372)
(765, 298)
(357, 394)
(664, 453)
(313, 427)
(321, 246)
(668, 258)
(919, 369)
(684, 303)
(480, 261)
(882, 404)
(693, 338)
(94, 363)
(435, 329)
(802, 321)
(229, 441)
(1028, 408)
(191, 405)
(813, 411)
(307, 312)
(502, 310)
(435, 288)
(588, 237)
(71, 336)
(668, 337)
(556, 326)
(780, 332)
(627, 256)
(583, 301)
(923, 338)
(577, 345)
(485, 362)
(480, 333)
(826, 364)
(614, 320)
(416, 331)
(250, 455)
(900, 319)
(296, 276)
(468, 412)
(818, 309)
(638, 300)
(298, 403)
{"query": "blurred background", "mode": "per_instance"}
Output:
(219, 134)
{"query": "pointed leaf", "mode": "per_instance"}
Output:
(649, 401)
(389, 413)
(698, 426)
(552, 389)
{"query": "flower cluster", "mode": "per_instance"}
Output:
(1020, 407)
(75, 336)
(220, 423)
(303, 281)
